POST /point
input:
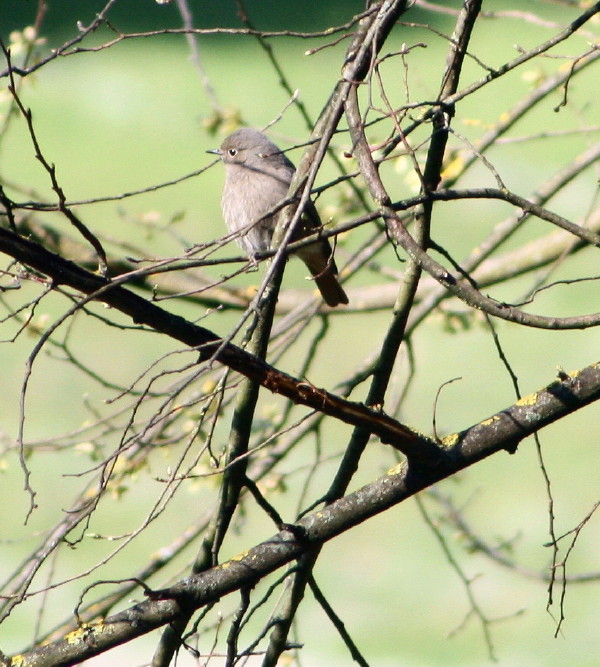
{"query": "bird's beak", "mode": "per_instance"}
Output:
(215, 151)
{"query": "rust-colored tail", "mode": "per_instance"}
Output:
(318, 257)
(330, 288)
(320, 263)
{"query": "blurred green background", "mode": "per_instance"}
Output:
(132, 116)
(140, 15)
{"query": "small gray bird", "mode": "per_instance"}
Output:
(257, 178)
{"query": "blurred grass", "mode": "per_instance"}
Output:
(130, 117)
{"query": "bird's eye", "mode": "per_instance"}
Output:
(232, 152)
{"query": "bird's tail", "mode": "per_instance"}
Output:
(320, 263)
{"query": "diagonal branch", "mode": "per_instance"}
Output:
(502, 431)
(213, 348)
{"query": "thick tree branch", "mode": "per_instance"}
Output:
(211, 346)
(502, 431)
